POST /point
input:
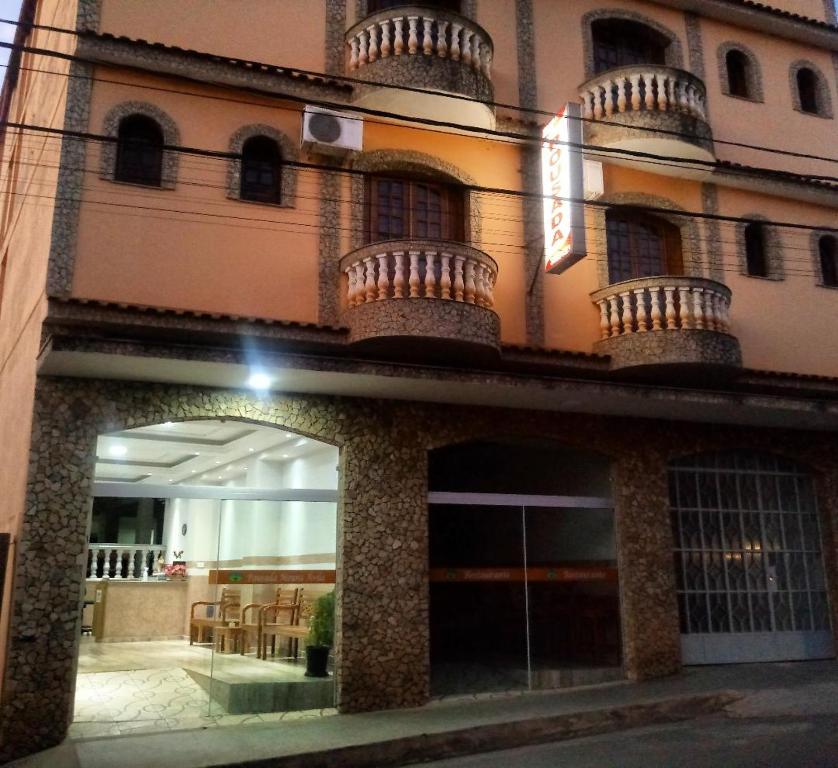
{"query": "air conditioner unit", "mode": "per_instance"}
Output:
(332, 133)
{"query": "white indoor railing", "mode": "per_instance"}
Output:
(418, 31)
(643, 88)
(420, 269)
(123, 561)
(663, 304)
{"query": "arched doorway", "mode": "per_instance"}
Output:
(523, 572)
(212, 544)
(748, 560)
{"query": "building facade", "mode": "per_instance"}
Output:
(326, 220)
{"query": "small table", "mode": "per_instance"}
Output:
(227, 639)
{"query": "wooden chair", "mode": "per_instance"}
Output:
(284, 597)
(224, 610)
(290, 622)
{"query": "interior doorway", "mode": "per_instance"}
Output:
(212, 545)
(524, 585)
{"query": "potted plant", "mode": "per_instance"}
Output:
(321, 634)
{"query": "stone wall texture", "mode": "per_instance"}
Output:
(382, 643)
(682, 347)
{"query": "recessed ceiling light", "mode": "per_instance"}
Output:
(220, 478)
(284, 455)
(217, 463)
(251, 449)
(168, 424)
(259, 381)
(193, 471)
(118, 450)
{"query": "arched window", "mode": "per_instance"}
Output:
(641, 246)
(261, 171)
(738, 79)
(373, 6)
(414, 208)
(828, 252)
(139, 151)
(756, 258)
(620, 43)
(807, 90)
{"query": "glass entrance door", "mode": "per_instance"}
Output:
(522, 595)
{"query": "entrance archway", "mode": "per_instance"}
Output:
(212, 544)
(523, 568)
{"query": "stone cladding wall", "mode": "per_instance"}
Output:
(382, 643)
(423, 318)
(684, 346)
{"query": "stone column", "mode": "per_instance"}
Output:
(40, 678)
(649, 607)
(383, 643)
(826, 489)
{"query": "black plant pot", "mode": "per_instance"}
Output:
(317, 658)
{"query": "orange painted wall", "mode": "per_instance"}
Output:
(785, 325)
(288, 33)
(191, 247)
(774, 123)
(26, 201)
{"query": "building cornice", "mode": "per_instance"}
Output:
(208, 68)
(764, 18)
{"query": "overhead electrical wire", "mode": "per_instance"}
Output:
(415, 89)
(152, 193)
(510, 137)
(224, 155)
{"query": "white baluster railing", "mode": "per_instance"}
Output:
(122, 561)
(643, 88)
(438, 270)
(663, 304)
(420, 31)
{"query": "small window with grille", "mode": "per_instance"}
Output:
(139, 151)
(261, 170)
(828, 253)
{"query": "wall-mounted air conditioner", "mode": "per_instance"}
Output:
(332, 133)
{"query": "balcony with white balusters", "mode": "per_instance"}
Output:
(439, 291)
(671, 321)
(649, 108)
(437, 52)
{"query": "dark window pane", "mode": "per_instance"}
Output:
(828, 252)
(261, 170)
(737, 73)
(755, 257)
(620, 43)
(807, 90)
(139, 151)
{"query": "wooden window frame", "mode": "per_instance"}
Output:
(672, 256)
(652, 44)
(453, 213)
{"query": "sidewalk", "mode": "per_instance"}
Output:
(448, 728)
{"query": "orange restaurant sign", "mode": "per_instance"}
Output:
(557, 573)
(563, 189)
(252, 576)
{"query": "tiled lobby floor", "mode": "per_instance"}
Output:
(132, 687)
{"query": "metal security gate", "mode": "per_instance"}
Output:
(748, 560)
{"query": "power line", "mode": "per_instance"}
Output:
(484, 134)
(457, 97)
(150, 193)
(86, 136)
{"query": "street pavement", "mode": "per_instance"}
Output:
(782, 727)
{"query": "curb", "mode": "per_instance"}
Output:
(499, 736)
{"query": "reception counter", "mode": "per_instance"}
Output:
(129, 610)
